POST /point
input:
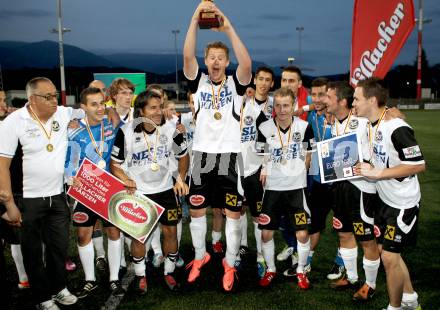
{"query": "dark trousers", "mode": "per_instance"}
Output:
(45, 220)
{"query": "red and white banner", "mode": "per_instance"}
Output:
(106, 195)
(380, 29)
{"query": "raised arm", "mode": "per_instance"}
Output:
(244, 69)
(190, 64)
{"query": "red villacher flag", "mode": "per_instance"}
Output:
(380, 28)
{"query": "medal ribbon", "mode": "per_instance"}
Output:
(35, 117)
(155, 145)
(370, 136)
(216, 99)
(279, 135)
(346, 125)
(99, 150)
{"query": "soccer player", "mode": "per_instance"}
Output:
(395, 162)
(291, 77)
(320, 195)
(355, 200)
(143, 157)
(215, 175)
(41, 128)
(121, 93)
(255, 110)
(287, 141)
(93, 139)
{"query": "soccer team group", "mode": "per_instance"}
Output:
(237, 142)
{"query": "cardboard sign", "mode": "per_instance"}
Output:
(338, 156)
(107, 196)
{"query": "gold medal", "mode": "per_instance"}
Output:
(283, 161)
(49, 147)
(155, 167)
(285, 149)
(218, 116)
(102, 164)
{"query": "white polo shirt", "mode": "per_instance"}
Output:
(42, 170)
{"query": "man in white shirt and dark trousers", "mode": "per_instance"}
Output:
(41, 128)
(216, 175)
(396, 159)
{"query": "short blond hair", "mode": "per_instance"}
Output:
(217, 44)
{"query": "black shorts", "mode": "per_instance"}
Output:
(253, 191)
(215, 181)
(354, 211)
(168, 200)
(290, 204)
(396, 228)
(84, 217)
(320, 203)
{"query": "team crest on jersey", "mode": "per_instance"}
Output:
(163, 139)
(354, 123)
(296, 137)
(55, 126)
(379, 136)
(248, 120)
(137, 140)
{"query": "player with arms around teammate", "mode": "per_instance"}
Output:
(395, 162)
(215, 173)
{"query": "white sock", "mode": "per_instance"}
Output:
(18, 260)
(410, 299)
(303, 250)
(268, 249)
(233, 236)
(371, 267)
(155, 242)
(393, 308)
(257, 234)
(311, 253)
(122, 238)
(244, 226)
(170, 263)
(216, 236)
(349, 256)
(198, 235)
(87, 257)
(98, 244)
(114, 257)
(179, 233)
(139, 266)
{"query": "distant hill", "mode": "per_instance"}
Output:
(16, 55)
(44, 54)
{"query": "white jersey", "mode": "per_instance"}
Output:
(359, 125)
(127, 117)
(43, 171)
(252, 116)
(286, 170)
(394, 144)
(137, 151)
(212, 135)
